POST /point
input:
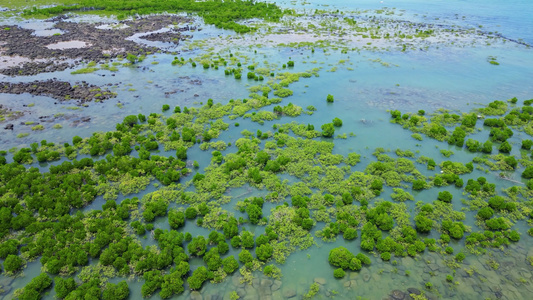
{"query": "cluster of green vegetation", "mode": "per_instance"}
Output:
(501, 130)
(117, 249)
(36, 206)
(41, 214)
(344, 259)
(109, 234)
(492, 60)
(223, 14)
(496, 214)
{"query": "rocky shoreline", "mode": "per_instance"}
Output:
(74, 44)
(63, 91)
(101, 43)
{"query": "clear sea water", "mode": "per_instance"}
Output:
(456, 78)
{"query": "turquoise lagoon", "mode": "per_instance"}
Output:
(366, 82)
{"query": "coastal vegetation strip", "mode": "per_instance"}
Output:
(223, 14)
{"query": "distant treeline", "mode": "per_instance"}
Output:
(222, 14)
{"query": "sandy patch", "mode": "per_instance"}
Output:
(69, 45)
(113, 51)
(48, 32)
(13, 61)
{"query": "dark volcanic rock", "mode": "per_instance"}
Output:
(397, 295)
(102, 44)
(168, 37)
(413, 291)
(83, 92)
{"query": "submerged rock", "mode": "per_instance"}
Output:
(276, 285)
(195, 295)
(431, 296)
(408, 262)
(266, 283)
(366, 274)
(251, 292)
(462, 273)
(353, 284)
(414, 291)
(397, 295)
(524, 273)
(241, 292)
(433, 267)
(289, 293)
(256, 282)
(530, 252)
(236, 280)
(277, 295)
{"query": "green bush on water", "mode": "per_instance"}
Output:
(337, 122)
(328, 130)
(339, 273)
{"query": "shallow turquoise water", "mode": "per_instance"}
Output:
(457, 78)
(510, 18)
